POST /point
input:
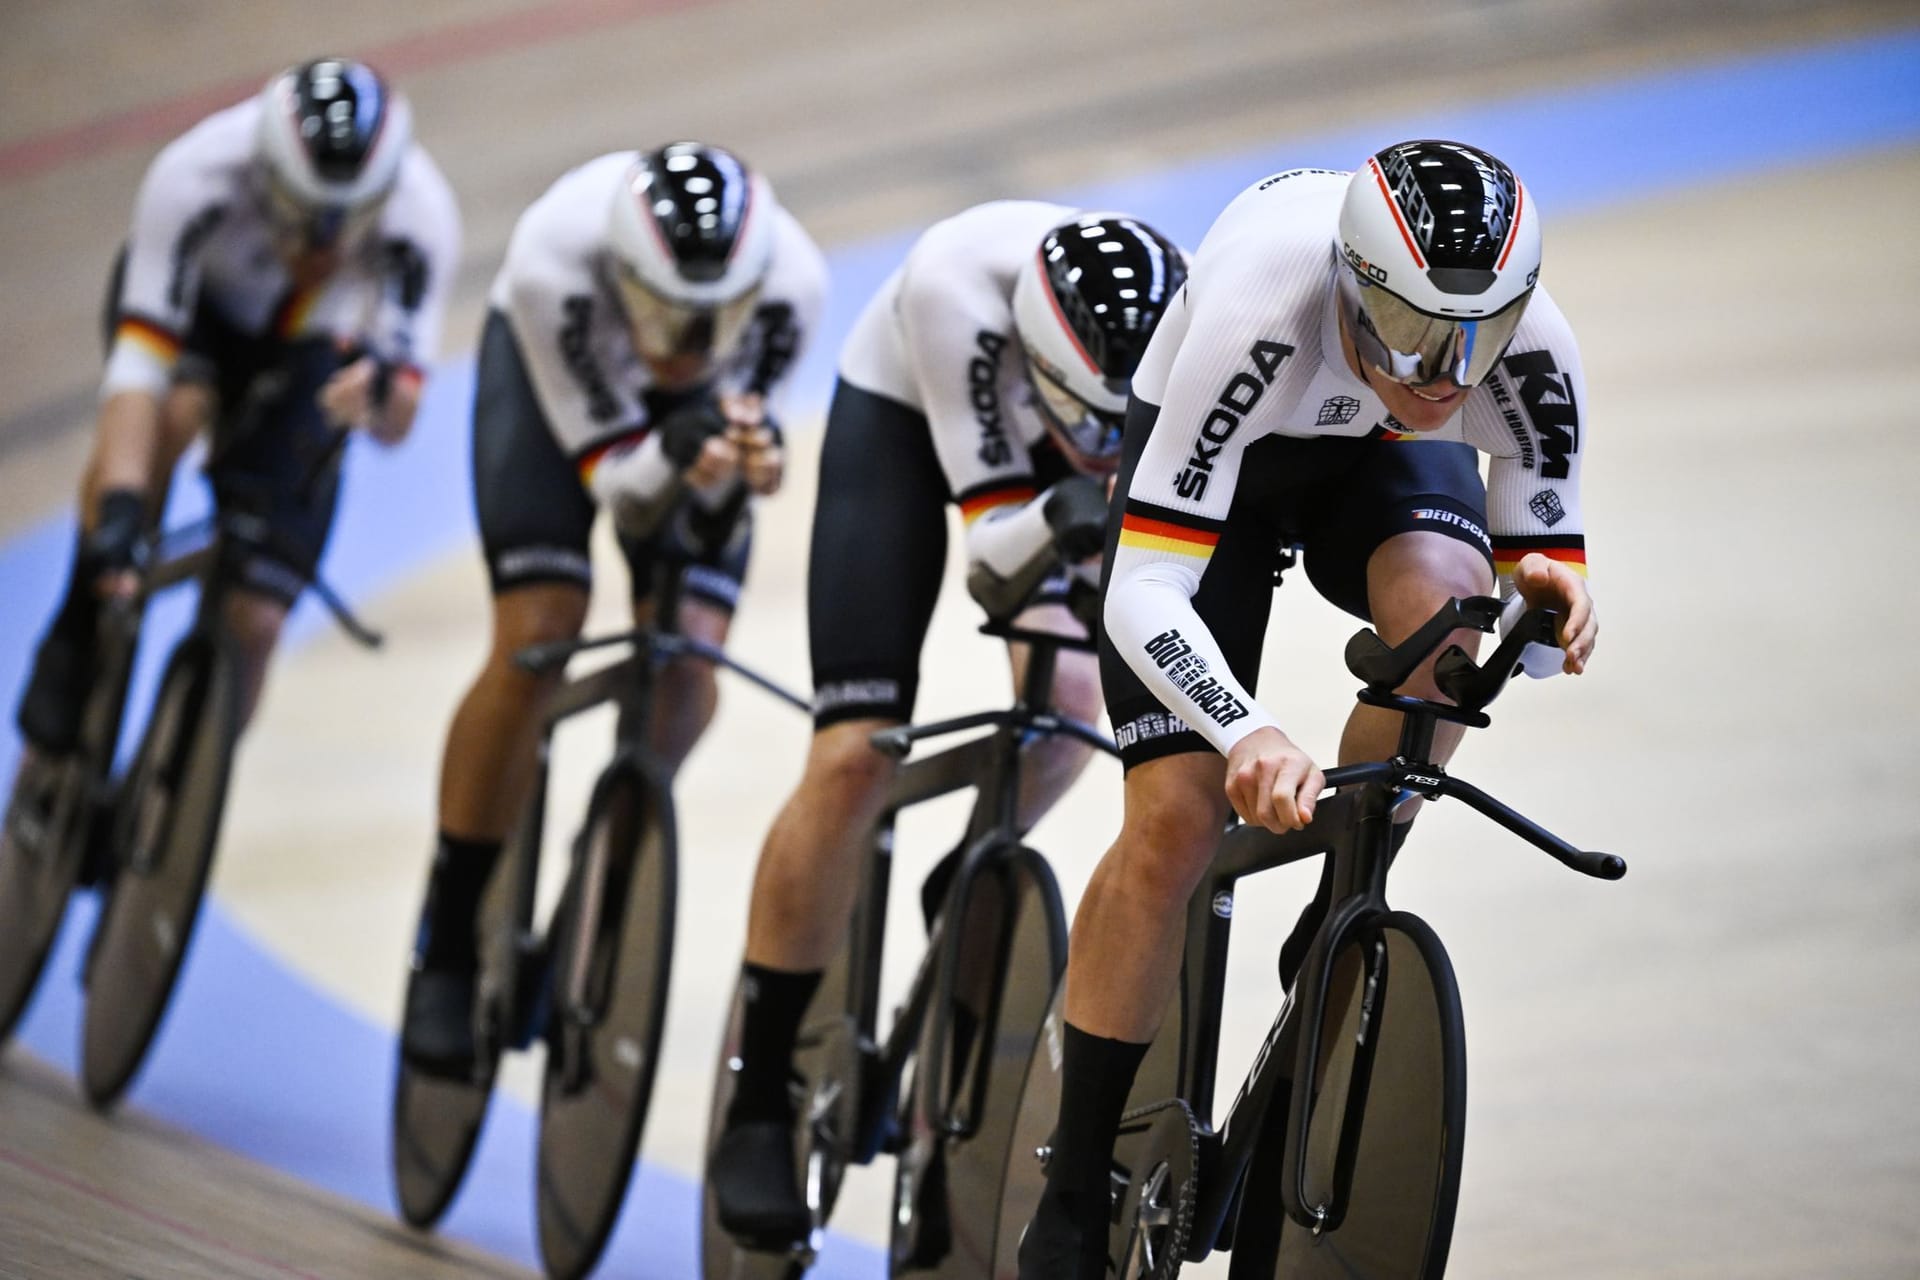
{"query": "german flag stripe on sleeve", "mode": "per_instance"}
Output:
(154, 339)
(590, 460)
(1508, 552)
(975, 503)
(1150, 528)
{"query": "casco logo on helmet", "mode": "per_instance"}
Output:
(1376, 274)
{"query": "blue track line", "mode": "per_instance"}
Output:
(254, 1058)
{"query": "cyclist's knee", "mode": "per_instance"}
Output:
(543, 613)
(254, 621)
(843, 765)
(1411, 575)
(1173, 823)
(1076, 687)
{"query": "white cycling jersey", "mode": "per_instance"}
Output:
(1251, 348)
(939, 337)
(201, 236)
(556, 292)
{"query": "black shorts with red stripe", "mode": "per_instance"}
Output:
(1329, 500)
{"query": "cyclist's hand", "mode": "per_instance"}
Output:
(393, 416)
(1076, 512)
(763, 457)
(693, 437)
(1272, 783)
(1549, 584)
(111, 549)
(346, 401)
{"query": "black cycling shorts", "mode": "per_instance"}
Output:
(269, 388)
(1335, 498)
(535, 515)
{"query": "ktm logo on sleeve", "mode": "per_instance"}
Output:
(1547, 395)
(1235, 401)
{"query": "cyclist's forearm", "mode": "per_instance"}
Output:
(126, 441)
(1009, 552)
(1151, 622)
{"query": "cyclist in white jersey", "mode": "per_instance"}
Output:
(291, 254)
(988, 373)
(640, 336)
(1345, 348)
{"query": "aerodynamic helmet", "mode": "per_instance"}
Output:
(1442, 250)
(690, 239)
(332, 136)
(1084, 307)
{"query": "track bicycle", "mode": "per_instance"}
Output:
(1340, 1156)
(939, 1092)
(593, 982)
(148, 836)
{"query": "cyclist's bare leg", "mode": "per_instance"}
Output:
(809, 872)
(1050, 765)
(493, 741)
(687, 690)
(1127, 934)
(1409, 577)
(254, 622)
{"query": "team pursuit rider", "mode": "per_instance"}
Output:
(989, 372)
(298, 246)
(641, 330)
(1343, 347)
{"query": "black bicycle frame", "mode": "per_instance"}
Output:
(990, 763)
(1354, 829)
(629, 684)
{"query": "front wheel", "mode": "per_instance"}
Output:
(610, 969)
(1003, 966)
(1384, 1141)
(165, 827)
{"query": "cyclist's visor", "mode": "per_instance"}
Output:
(663, 328)
(301, 226)
(1089, 437)
(1415, 348)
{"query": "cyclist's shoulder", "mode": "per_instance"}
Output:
(1546, 328)
(1277, 220)
(422, 198)
(983, 245)
(205, 165)
(558, 239)
(798, 271)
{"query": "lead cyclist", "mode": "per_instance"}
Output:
(1345, 348)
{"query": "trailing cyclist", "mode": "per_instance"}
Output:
(289, 260)
(1345, 347)
(647, 317)
(989, 372)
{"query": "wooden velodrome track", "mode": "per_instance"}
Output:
(1706, 1070)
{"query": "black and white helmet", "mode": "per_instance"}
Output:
(332, 136)
(1442, 246)
(689, 239)
(1084, 307)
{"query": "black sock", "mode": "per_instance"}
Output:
(775, 1002)
(461, 870)
(1096, 1076)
